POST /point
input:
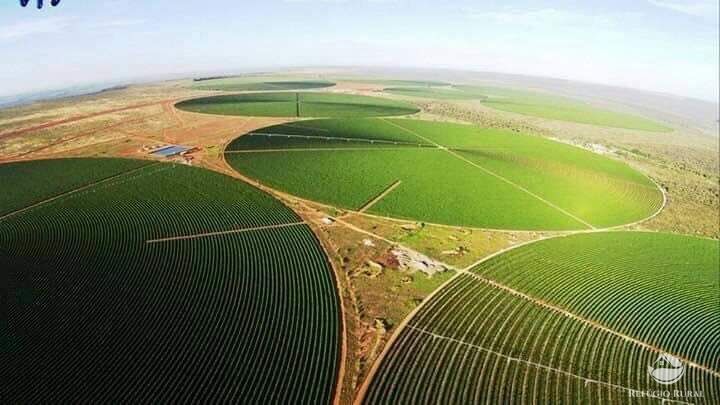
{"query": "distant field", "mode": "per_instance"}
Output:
(534, 104)
(475, 342)
(298, 105)
(100, 306)
(484, 178)
(438, 93)
(399, 83)
(243, 84)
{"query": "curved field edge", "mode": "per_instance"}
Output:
(147, 204)
(534, 104)
(707, 379)
(645, 285)
(298, 104)
(344, 163)
(240, 84)
(53, 177)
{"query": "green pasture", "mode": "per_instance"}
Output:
(535, 104)
(396, 82)
(289, 104)
(450, 174)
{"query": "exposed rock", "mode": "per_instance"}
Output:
(412, 261)
(381, 325)
(372, 269)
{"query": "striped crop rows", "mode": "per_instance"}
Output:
(97, 314)
(660, 288)
(475, 342)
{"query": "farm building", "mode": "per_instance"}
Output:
(169, 151)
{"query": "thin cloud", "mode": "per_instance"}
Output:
(118, 23)
(698, 8)
(51, 25)
(38, 26)
(539, 18)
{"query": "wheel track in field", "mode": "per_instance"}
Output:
(76, 190)
(589, 322)
(490, 172)
(220, 233)
(406, 322)
(527, 362)
(382, 195)
(426, 146)
(355, 228)
(138, 204)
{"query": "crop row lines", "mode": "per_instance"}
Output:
(589, 322)
(509, 359)
(74, 191)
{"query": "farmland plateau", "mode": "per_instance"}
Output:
(318, 236)
(450, 174)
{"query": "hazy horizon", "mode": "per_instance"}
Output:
(664, 46)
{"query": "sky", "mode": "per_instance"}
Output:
(669, 46)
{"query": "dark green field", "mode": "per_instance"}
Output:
(500, 333)
(125, 281)
(450, 174)
(247, 84)
(289, 104)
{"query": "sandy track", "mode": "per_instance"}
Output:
(88, 133)
(55, 123)
(218, 233)
(382, 195)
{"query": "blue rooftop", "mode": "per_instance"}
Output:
(170, 150)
